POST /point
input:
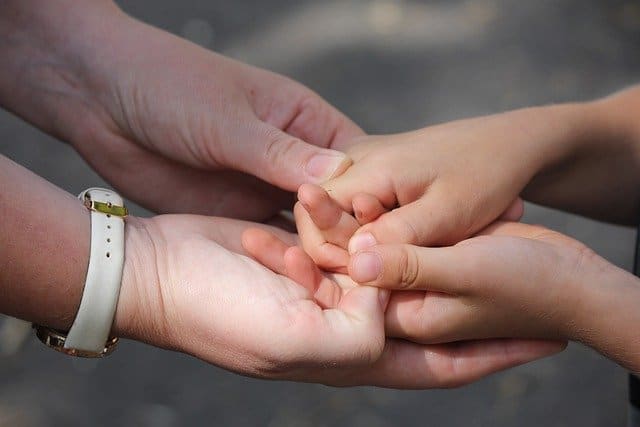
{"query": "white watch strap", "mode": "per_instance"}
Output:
(91, 327)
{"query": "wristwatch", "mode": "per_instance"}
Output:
(89, 334)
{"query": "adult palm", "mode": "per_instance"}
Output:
(188, 285)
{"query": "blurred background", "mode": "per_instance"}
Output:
(391, 65)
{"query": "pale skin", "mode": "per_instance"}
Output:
(172, 137)
(188, 286)
(193, 139)
(444, 185)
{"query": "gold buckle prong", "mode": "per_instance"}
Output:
(106, 208)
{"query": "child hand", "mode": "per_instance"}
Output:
(325, 228)
(512, 280)
(402, 362)
(444, 183)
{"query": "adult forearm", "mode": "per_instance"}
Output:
(44, 248)
(594, 166)
(49, 50)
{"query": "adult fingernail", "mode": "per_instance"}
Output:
(323, 167)
(361, 241)
(366, 267)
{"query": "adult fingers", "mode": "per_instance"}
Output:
(147, 178)
(297, 110)
(352, 334)
(319, 123)
(291, 261)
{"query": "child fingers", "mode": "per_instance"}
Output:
(322, 209)
(336, 225)
(417, 223)
(301, 269)
(408, 267)
(514, 212)
(367, 208)
(342, 232)
(434, 317)
(325, 254)
(361, 179)
(266, 248)
(427, 317)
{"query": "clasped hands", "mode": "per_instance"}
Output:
(409, 270)
(321, 310)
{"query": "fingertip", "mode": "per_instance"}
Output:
(332, 258)
(365, 267)
(321, 208)
(326, 165)
(514, 212)
(303, 190)
(367, 208)
(360, 241)
(311, 195)
(250, 239)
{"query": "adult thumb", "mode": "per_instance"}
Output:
(286, 161)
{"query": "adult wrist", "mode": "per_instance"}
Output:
(126, 319)
(140, 312)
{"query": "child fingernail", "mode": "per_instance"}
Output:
(324, 166)
(361, 241)
(366, 267)
(383, 297)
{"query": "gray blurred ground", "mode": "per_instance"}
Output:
(391, 66)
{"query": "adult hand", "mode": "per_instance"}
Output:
(173, 126)
(400, 363)
(186, 289)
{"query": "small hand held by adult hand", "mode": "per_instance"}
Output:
(399, 362)
(512, 280)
